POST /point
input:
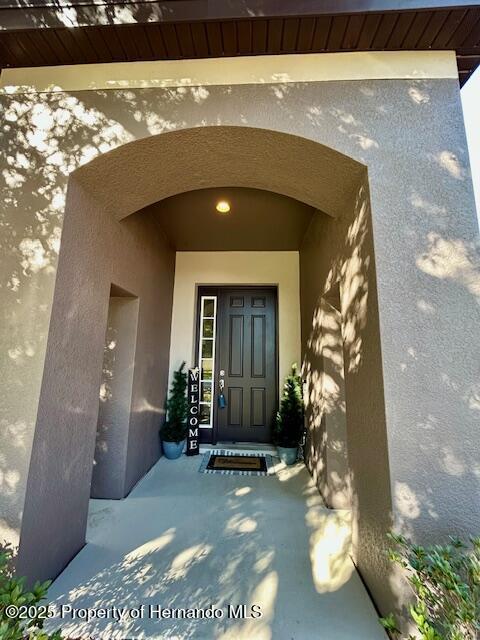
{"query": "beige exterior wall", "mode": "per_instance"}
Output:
(115, 406)
(196, 268)
(406, 130)
(339, 256)
(97, 252)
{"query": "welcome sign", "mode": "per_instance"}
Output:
(193, 446)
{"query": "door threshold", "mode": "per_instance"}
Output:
(241, 447)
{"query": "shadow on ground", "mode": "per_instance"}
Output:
(184, 539)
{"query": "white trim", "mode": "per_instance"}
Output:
(312, 67)
(200, 358)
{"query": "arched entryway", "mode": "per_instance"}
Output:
(113, 248)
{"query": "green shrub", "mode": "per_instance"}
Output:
(13, 592)
(175, 427)
(289, 425)
(446, 585)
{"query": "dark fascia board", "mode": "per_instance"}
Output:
(34, 14)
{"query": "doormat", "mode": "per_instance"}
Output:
(231, 463)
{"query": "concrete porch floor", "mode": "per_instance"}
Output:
(185, 539)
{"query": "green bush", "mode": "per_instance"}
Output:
(446, 585)
(289, 425)
(175, 427)
(13, 593)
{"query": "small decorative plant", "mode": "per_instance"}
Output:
(289, 425)
(13, 596)
(446, 583)
(175, 427)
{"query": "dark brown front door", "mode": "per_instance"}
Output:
(246, 364)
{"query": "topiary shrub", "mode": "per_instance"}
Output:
(446, 583)
(13, 595)
(288, 428)
(175, 427)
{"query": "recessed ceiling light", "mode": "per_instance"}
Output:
(222, 206)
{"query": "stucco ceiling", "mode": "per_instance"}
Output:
(145, 171)
(258, 220)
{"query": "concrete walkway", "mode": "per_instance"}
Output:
(184, 539)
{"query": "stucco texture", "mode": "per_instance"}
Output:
(111, 446)
(340, 256)
(420, 439)
(96, 252)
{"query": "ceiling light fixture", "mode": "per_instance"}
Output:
(222, 206)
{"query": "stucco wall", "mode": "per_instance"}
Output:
(327, 450)
(134, 256)
(111, 446)
(339, 255)
(410, 135)
(193, 268)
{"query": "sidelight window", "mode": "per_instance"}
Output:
(206, 358)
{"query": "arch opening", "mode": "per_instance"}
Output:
(112, 235)
(140, 173)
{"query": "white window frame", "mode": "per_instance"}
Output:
(200, 341)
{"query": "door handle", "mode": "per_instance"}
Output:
(221, 385)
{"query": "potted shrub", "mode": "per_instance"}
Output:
(289, 425)
(174, 431)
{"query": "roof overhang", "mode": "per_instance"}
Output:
(53, 32)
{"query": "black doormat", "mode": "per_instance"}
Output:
(233, 463)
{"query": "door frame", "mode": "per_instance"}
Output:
(210, 436)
